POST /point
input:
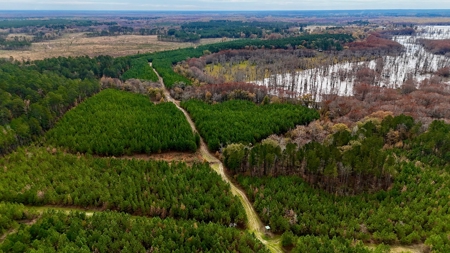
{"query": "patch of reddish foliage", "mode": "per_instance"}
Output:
(444, 72)
(427, 102)
(375, 41)
(367, 76)
(233, 90)
(436, 46)
(228, 87)
(221, 92)
(259, 91)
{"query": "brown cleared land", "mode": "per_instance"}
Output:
(77, 44)
(412, 20)
(415, 248)
(188, 158)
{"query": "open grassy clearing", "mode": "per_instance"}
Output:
(217, 70)
(77, 44)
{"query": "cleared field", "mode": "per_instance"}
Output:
(414, 20)
(77, 44)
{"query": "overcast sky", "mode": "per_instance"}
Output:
(221, 4)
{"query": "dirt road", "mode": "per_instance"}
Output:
(254, 223)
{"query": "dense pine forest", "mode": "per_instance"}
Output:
(347, 162)
(147, 188)
(84, 67)
(411, 210)
(244, 122)
(31, 102)
(193, 31)
(140, 70)
(118, 232)
(12, 215)
(324, 172)
(116, 123)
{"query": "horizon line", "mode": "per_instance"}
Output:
(431, 9)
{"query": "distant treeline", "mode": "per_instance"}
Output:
(193, 31)
(84, 67)
(13, 44)
(112, 31)
(49, 23)
(163, 61)
(116, 30)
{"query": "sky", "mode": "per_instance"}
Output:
(148, 5)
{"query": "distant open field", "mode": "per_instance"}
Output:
(413, 20)
(12, 36)
(77, 44)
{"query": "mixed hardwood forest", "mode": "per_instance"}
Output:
(402, 191)
(326, 173)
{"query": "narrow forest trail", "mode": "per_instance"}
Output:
(14, 230)
(41, 210)
(254, 223)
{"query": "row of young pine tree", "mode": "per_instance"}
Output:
(37, 176)
(11, 215)
(118, 232)
(240, 121)
(115, 123)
